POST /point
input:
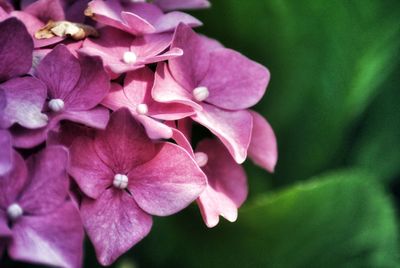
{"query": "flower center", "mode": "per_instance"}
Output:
(129, 57)
(120, 181)
(200, 93)
(201, 158)
(56, 105)
(14, 211)
(142, 108)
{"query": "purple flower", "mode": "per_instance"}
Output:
(218, 82)
(136, 96)
(23, 97)
(121, 52)
(37, 221)
(75, 88)
(137, 18)
(128, 178)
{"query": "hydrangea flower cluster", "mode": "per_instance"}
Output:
(97, 105)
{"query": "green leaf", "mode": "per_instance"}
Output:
(343, 219)
(328, 60)
(377, 147)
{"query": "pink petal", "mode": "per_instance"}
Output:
(4, 230)
(108, 13)
(48, 181)
(189, 69)
(167, 183)
(168, 5)
(263, 146)
(114, 223)
(233, 128)
(175, 92)
(136, 24)
(124, 144)
(16, 48)
(6, 153)
(154, 129)
(97, 117)
(227, 184)
(151, 45)
(110, 46)
(171, 20)
(25, 98)
(91, 174)
(234, 81)
(54, 239)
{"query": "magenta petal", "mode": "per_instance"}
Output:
(124, 144)
(6, 153)
(4, 229)
(168, 5)
(175, 92)
(46, 10)
(91, 88)
(24, 101)
(263, 146)
(60, 71)
(16, 48)
(227, 184)
(190, 69)
(244, 80)
(12, 184)
(96, 117)
(89, 172)
(136, 24)
(108, 13)
(48, 186)
(54, 239)
(154, 129)
(114, 223)
(167, 183)
(150, 45)
(233, 128)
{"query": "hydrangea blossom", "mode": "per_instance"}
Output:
(127, 177)
(108, 91)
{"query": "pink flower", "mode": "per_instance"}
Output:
(75, 88)
(136, 96)
(127, 178)
(218, 82)
(121, 52)
(137, 18)
(168, 5)
(37, 221)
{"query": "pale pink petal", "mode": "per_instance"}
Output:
(227, 184)
(136, 24)
(108, 13)
(171, 20)
(167, 90)
(154, 129)
(233, 128)
(97, 117)
(263, 146)
(114, 223)
(54, 239)
(234, 81)
(167, 183)
(91, 174)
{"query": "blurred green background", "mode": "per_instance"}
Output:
(334, 103)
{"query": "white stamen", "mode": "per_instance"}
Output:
(56, 105)
(14, 211)
(201, 159)
(142, 108)
(129, 57)
(200, 93)
(120, 181)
